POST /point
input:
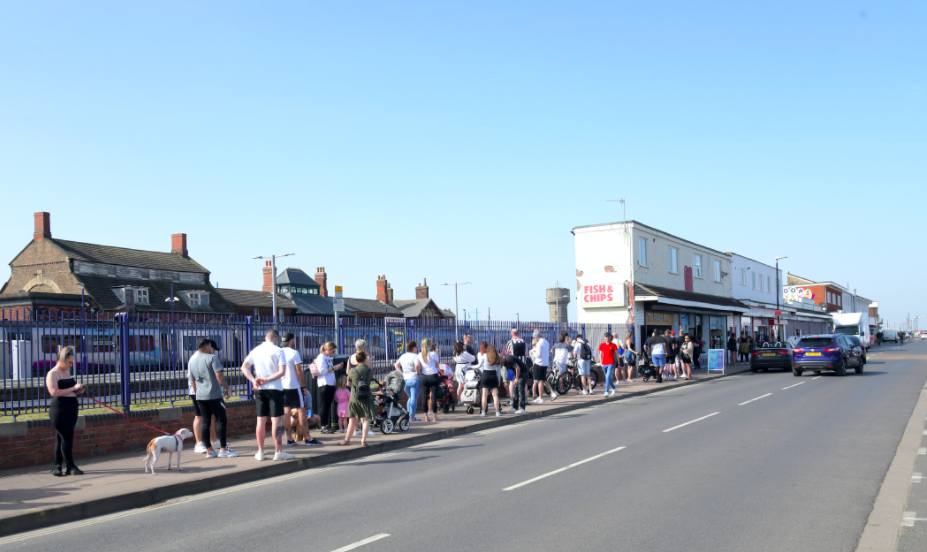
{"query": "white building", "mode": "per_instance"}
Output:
(756, 285)
(631, 273)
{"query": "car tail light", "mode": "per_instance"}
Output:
(832, 350)
(755, 353)
(798, 350)
(783, 352)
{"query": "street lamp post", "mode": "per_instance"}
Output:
(778, 293)
(456, 308)
(273, 290)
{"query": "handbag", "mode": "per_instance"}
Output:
(314, 370)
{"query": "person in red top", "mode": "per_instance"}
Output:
(608, 356)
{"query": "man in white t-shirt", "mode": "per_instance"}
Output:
(295, 392)
(269, 365)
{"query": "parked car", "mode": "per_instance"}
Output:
(771, 355)
(857, 343)
(831, 352)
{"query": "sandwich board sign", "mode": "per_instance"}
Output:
(716, 360)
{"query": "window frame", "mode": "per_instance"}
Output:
(139, 293)
(642, 251)
(753, 278)
(697, 266)
(673, 253)
(717, 271)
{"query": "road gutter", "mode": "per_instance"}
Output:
(884, 524)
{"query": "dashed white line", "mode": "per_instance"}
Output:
(922, 451)
(791, 386)
(917, 477)
(816, 377)
(573, 465)
(358, 544)
(692, 422)
(756, 399)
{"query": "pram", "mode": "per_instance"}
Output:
(472, 396)
(646, 368)
(445, 397)
(392, 414)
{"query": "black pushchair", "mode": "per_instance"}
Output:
(646, 368)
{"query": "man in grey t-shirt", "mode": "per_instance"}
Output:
(205, 373)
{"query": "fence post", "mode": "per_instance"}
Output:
(584, 331)
(341, 336)
(124, 361)
(411, 330)
(249, 344)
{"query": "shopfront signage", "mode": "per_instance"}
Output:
(778, 313)
(716, 360)
(793, 293)
(605, 294)
(659, 319)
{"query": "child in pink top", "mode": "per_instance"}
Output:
(342, 397)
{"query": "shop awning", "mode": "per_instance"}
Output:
(689, 299)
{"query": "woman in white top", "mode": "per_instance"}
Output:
(428, 361)
(412, 375)
(326, 383)
(360, 346)
(490, 366)
(464, 360)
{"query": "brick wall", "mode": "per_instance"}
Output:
(31, 442)
(43, 265)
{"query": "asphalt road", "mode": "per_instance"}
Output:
(768, 462)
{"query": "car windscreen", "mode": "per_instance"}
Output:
(847, 330)
(815, 342)
(855, 340)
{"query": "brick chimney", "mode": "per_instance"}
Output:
(321, 278)
(389, 295)
(421, 291)
(268, 277)
(42, 226)
(179, 244)
(382, 289)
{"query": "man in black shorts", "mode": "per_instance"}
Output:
(269, 365)
(539, 370)
(295, 392)
(520, 381)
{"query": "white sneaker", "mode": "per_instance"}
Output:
(215, 444)
(582, 392)
(538, 400)
(357, 433)
(520, 411)
(512, 410)
(483, 414)
(211, 453)
(283, 456)
(498, 414)
(591, 392)
(371, 432)
(228, 453)
(553, 396)
(200, 448)
(259, 456)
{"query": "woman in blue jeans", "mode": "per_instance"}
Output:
(412, 376)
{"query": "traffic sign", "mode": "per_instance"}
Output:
(339, 300)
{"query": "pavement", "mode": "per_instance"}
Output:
(749, 462)
(31, 498)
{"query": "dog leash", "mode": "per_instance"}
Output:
(103, 404)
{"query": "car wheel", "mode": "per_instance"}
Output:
(796, 372)
(754, 369)
(859, 369)
(865, 359)
(842, 369)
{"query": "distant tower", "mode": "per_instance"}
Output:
(558, 298)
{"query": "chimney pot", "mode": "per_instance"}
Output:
(42, 226)
(179, 244)
(268, 278)
(321, 278)
(382, 287)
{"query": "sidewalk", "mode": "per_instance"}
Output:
(31, 498)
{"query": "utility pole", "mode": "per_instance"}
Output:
(273, 291)
(456, 309)
(778, 310)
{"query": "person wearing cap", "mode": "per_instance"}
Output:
(295, 392)
(541, 359)
(608, 358)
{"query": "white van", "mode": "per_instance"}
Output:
(890, 335)
(854, 323)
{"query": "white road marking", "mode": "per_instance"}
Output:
(917, 477)
(816, 377)
(922, 451)
(538, 478)
(756, 399)
(358, 544)
(908, 519)
(692, 422)
(791, 386)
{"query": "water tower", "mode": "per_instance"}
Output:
(558, 298)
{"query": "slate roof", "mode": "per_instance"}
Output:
(251, 299)
(100, 289)
(123, 256)
(412, 308)
(316, 305)
(296, 276)
(370, 306)
(640, 289)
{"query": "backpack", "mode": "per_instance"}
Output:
(362, 388)
(585, 352)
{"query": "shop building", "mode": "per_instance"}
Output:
(634, 274)
(756, 285)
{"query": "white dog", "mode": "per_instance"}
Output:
(170, 443)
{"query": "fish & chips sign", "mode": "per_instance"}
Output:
(603, 295)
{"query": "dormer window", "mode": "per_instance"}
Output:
(195, 298)
(140, 293)
(141, 296)
(299, 290)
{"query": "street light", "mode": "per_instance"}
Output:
(778, 310)
(456, 309)
(273, 290)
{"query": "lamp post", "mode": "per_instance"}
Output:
(172, 300)
(778, 293)
(456, 309)
(273, 275)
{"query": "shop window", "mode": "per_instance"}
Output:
(673, 258)
(697, 266)
(642, 251)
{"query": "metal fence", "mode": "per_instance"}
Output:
(141, 359)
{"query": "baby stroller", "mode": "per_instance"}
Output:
(646, 368)
(472, 396)
(392, 413)
(445, 397)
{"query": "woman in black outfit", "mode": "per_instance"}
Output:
(63, 410)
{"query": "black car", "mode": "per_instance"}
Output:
(832, 352)
(772, 355)
(857, 342)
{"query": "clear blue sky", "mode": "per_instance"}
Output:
(463, 140)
